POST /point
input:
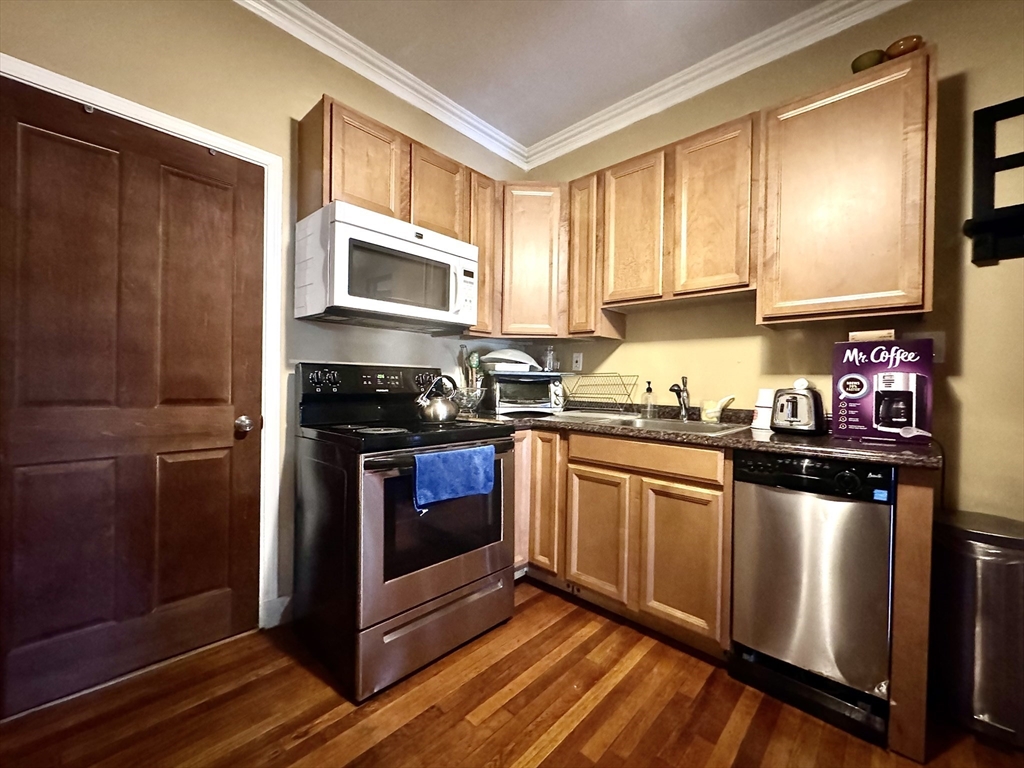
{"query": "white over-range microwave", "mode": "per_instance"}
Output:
(361, 267)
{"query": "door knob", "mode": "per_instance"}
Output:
(244, 424)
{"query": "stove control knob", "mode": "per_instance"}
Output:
(331, 378)
(423, 379)
(847, 482)
(316, 378)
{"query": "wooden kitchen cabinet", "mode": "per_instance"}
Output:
(523, 497)
(598, 540)
(681, 555)
(547, 501)
(850, 197)
(648, 533)
(485, 232)
(586, 277)
(634, 228)
(711, 209)
(345, 155)
(534, 264)
(440, 193)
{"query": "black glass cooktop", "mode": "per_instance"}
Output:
(396, 435)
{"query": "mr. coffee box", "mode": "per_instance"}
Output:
(882, 390)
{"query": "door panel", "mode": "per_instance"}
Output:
(546, 522)
(712, 223)
(485, 230)
(67, 268)
(130, 337)
(598, 530)
(195, 324)
(845, 201)
(681, 530)
(634, 202)
(369, 163)
(439, 193)
(535, 271)
(49, 594)
(193, 551)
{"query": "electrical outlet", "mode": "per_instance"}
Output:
(577, 361)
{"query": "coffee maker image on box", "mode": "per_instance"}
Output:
(901, 400)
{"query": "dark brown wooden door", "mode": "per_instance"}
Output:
(130, 332)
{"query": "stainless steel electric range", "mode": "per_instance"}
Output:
(381, 589)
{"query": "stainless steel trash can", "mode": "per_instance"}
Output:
(978, 622)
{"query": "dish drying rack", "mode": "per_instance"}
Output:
(599, 391)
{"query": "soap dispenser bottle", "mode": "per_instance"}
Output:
(647, 404)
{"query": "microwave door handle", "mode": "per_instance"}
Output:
(454, 306)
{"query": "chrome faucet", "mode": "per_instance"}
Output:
(683, 396)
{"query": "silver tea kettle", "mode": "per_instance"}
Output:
(435, 407)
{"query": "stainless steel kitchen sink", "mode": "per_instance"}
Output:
(585, 416)
(675, 425)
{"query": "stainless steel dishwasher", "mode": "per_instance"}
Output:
(812, 584)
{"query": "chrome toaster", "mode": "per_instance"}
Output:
(799, 410)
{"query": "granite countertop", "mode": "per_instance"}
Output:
(925, 455)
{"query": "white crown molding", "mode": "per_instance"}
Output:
(316, 31)
(806, 28)
(800, 31)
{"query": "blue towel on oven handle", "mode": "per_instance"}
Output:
(444, 475)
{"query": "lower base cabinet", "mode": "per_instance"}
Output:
(609, 519)
(681, 548)
(597, 530)
(540, 500)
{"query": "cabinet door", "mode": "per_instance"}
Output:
(440, 191)
(681, 544)
(846, 198)
(711, 218)
(546, 501)
(583, 256)
(485, 203)
(522, 495)
(369, 163)
(634, 204)
(534, 270)
(597, 530)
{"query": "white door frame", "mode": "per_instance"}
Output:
(271, 606)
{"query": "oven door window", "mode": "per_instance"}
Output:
(383, 274)
(447, 529)
(526, 392)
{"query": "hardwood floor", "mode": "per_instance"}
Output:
(559, 685)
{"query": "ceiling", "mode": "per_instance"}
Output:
(534, 79)
(532, 68)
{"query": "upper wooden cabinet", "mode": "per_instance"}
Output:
(586, 217)
(710, 217)
(634, 231)
(485, 228)
(344, 155)
(440, 193)
(534, 269)
(850, 197)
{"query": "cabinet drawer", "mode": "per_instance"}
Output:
(675, 460)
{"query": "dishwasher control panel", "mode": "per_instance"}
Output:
(843, 479)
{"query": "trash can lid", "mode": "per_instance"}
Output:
(988, 529)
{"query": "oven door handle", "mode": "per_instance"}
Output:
(407, 460)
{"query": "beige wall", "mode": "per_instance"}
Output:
(215, 64)
(979, 415)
